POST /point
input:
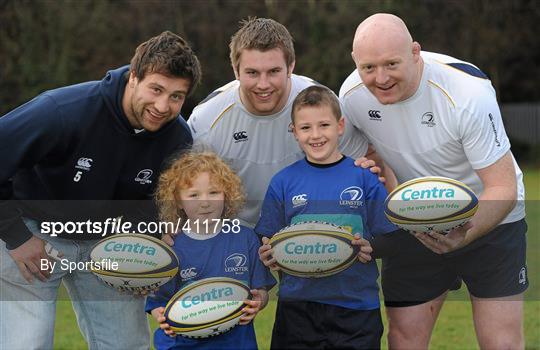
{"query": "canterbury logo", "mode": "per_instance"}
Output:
(84, 163)
(299, 200)
(374, 115)
(240, 136)
(188, 273)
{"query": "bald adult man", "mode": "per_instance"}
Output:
(431, 114)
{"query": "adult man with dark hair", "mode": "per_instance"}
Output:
(429, 114)
(99, 140)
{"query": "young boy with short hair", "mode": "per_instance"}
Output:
(342, 310)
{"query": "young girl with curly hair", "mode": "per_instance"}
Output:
(203, 194)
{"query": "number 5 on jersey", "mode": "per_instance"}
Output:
(77, 176)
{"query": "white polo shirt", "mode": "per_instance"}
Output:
(451, 126)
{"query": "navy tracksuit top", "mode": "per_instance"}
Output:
(69, 152)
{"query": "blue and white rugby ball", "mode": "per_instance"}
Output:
(143, 262)
(431, 204)
(207, 307)
(313, 249)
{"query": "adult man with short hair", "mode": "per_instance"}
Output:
(432, 115)
(99, 140)
(247, 121)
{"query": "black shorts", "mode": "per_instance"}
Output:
(310, 325)
(492, 266)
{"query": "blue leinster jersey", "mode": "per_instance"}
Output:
(233, 255)
(338, 193)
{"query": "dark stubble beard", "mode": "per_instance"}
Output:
(137, 116)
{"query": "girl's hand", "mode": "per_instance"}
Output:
(159, 316)
(253, 306)
(168, 238)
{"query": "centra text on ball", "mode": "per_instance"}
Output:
(434, 193)
(137, 248)
(317, 248)
(214, 294)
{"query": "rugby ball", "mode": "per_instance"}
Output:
(142, 263)
(431, 204)
(313, 249)
(207, 307)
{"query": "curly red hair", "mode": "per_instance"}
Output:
(181, 174)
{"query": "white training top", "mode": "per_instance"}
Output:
(256, 147)
(451, 126)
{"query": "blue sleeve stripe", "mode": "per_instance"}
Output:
(209, 97)
(469, 69)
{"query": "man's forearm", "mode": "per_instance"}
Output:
(494, 205)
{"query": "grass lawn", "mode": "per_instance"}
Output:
(454, 329)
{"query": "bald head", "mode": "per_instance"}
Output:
(382, 31)
(387, 59)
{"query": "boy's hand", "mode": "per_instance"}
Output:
(364, 254)
(265, 254)
(159, 316)
(253, 306)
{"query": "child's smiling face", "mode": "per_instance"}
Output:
(203, 200)
(317, 131)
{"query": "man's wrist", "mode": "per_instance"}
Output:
(470, 236)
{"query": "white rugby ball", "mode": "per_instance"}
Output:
(207, 307)
(143, 262)
(313, 249)
(431, 203)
